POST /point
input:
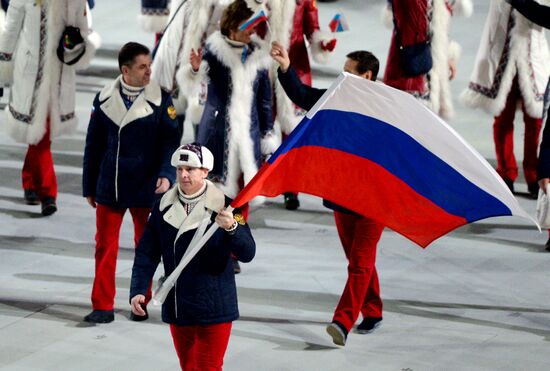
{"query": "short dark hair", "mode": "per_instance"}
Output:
(366, 61)
(233, 16)
(129, 52)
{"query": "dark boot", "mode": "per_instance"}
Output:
(533, 189)
(100, 316)
(136, 318)
(31, 198)
(48, 206)
(369, 324)
(291, 201)
(510, 184)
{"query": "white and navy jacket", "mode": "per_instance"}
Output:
(205, 292)
(127, 150)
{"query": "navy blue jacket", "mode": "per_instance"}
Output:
(122, 161)
(205, 292)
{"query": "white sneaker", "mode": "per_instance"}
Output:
(339, 334)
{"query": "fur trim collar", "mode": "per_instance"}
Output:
(113, 106)
(213, 201)
(240, 158)
(152, 92)
(259, 59)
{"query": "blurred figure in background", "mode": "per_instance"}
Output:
(191, 22)
(292, 22)
(424, 21)
(154, 16)
(540, 14)
(237, 122)
(41, 46)
(512, 66)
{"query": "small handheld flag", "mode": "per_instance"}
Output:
(338, 23)
(255, 19)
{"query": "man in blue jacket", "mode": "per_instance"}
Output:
(202, 305)
(131, 136)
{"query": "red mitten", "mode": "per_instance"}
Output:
(328, 46)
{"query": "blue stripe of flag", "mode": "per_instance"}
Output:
(401, 155)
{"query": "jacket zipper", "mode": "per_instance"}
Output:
(176, 283)
(116, 168)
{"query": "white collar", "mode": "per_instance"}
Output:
(151, 92)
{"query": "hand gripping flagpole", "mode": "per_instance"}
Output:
(164, 287)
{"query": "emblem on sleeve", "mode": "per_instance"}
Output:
(240, 219)
(171, 112)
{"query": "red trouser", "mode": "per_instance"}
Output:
(359, 236)
(201, 348)
(38, 173)
(503, 134)
(108, 222)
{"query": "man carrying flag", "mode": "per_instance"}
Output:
(359, 235)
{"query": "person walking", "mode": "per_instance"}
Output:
(42, 44)
(203, 303)
(424, 25)
(512, 66)
(359, 235)
(191, 22)
(291, 23)
(131, 136)
(237, 122)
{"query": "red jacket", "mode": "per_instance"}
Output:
(306, 22)
(411, 17)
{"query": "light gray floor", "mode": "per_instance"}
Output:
(476, 299)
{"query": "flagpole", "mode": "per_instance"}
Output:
(164, 288)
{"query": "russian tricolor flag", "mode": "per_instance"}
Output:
(338, 23)
(258, 17)
(379, 152)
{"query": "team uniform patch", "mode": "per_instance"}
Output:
(240, 219)
(171, 112)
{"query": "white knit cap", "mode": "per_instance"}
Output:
(193, 155)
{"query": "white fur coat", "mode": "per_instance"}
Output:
(41, 85)
(240, 157)
(282, 23)
(510, 46)
(191, 25)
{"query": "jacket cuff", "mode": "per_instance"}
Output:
(269, 143)
(454, 51)
(6, 69)
(464, 8)
(192, 79)
(153, 23)
(93, 42)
